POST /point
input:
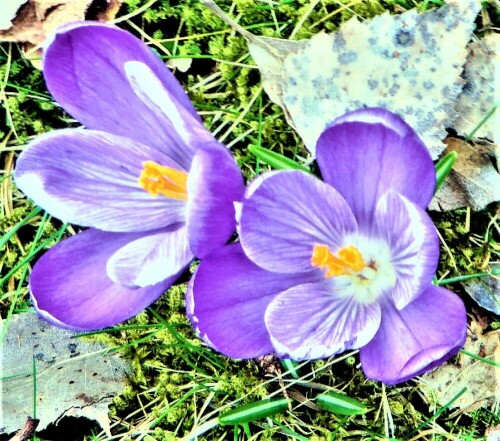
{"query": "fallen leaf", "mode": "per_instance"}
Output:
(493, 433)
(481, 89)
(410, 64)
(8, 11)
(180, 64)
(474, 182)
(27, 431)
(38, 18)
(73, 377)
(480, 378)
(485, 291)
(270, 54)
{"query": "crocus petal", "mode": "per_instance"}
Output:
(417, 338)
(152, 258)
(70, 287)
(111, 81)
(91, 178)
(414, 244)
(215, 183)
(364, 157)
(376, 115)
(227, 299)
(310, 321)
(286, 215)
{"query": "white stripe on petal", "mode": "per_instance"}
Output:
(414, 243)
(151, 91)
(313, 321)
(150, 259)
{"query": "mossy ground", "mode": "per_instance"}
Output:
(177, 382)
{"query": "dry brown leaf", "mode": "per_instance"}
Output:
(270, 54)
(486, 291)
(410, 64)
(481, 90)
(38, 18)
(493, 433)
(480, 378)
(8, 11)
(73, 377)
(474, 182)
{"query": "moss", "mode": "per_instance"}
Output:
(163, 435)
(469, 254)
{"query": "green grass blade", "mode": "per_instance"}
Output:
(493, 272)
(15, 228)
(291, 367)
(340, 404)
(444, 167)
(477, 357)
(437, 414)
(275, 160)
(483, 121)
(253, 411)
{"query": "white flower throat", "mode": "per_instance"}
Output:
(363, 269)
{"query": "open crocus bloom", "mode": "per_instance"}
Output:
(152, 183)
(347, 263)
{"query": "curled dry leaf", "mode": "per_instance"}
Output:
(27, 431)
(480, 378)
(73, 377)
(8, 11)
(37, 18)
(474, 181)
(486, 291)
(410, 64)
(180, 64)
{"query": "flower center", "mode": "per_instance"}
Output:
(157, 179)
(348, 261)
(365, 278)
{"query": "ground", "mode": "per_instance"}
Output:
(176, 380)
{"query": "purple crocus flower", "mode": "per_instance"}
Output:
(347, 263)
(153, 184)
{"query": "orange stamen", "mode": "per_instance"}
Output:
(348, 261)
(157, 179)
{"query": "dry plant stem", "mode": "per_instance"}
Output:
(331, 14)
(28, 430)
(303, 19)
(135, 13)
(225, 18)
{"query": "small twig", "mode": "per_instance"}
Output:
(27, 430)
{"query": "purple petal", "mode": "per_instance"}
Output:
(414, 244)
(376, 115)
(70, 287)
(227, 299)
(420, 337)
(92, 179)
(369, 152)
(286, 215)
(111, 81)
(150, 259)
(310, 321)
(215, 183)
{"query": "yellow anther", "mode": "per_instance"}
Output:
(157, 179)
(348, 261)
